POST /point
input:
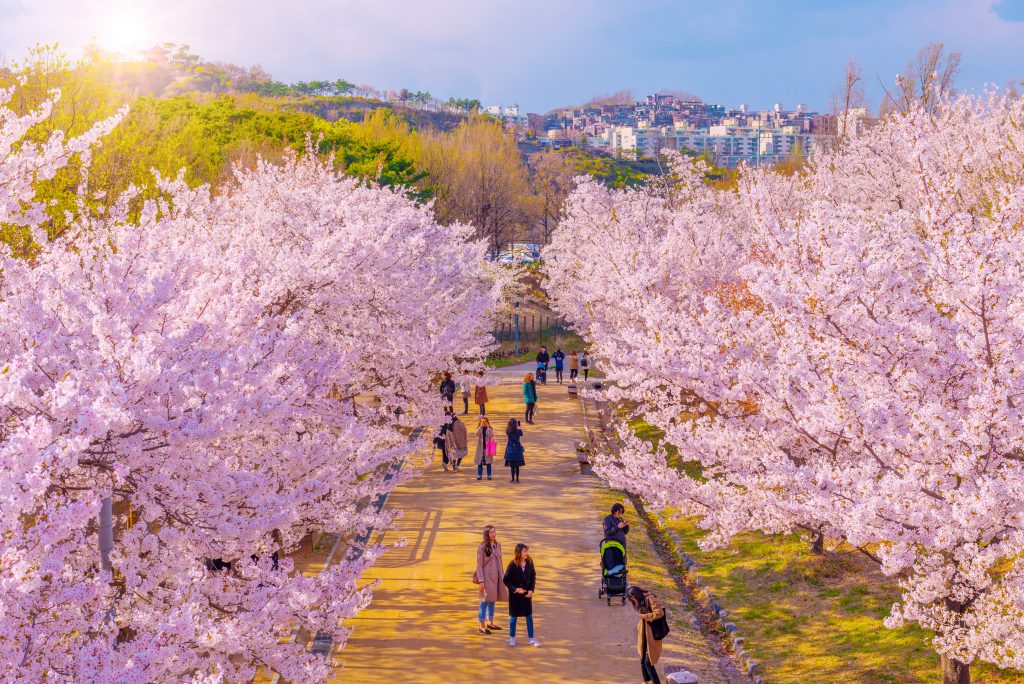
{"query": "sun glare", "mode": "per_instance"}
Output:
(124, 31)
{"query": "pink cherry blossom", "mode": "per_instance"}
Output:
(233, 370)
(841, 351)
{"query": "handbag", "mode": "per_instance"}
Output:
(492, 448)
(659, 627)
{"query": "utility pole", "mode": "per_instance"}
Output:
(106, 532)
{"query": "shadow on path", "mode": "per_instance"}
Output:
(421, 626)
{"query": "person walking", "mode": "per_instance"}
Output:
(559, 358)
(480, 394)
(464, 389)
(515, 455)
(486, 448)
(574, 365)
(614, 526)
(488, 575)
(652, 628)
(585, 366)
(530, 396)
(457, 439)
(521, 580)
(441, 442)
(447, 389)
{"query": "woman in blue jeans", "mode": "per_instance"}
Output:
(484, 456)
(488, 576)
(521, 579)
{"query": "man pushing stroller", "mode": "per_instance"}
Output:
(543, 359)
(614, 580)
(614, 526)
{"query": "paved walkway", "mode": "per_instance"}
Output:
(421, 626)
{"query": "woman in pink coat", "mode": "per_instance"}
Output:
(488, 574)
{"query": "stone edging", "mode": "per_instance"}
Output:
(705, 598)
(322, 643)
(673, 545)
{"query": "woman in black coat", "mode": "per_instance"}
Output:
(515, 455)
(520, 578)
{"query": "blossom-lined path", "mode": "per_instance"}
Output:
(421, 626)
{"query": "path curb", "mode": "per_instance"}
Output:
(702, 594)
(710, 602)
(322, 643)
(671, 545)
(705, 600)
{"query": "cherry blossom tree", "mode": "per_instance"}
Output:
(187, 393)
(23, 164)
(840, 352)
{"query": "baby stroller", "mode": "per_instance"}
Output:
(613, 571)
(542, 373)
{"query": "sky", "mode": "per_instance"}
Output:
(543, 54)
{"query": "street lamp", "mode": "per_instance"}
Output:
(517, 327)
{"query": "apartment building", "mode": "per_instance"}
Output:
(644, 128)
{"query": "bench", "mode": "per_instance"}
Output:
(583, 459)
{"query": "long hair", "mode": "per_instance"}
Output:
(519, 554)
(488, 549)
(638, 597)
(528, 378)
(483, 423)
(513, 425)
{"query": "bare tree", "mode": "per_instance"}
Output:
(681, 95)
(551, 182)
(619, 97)
(847, 101)
(655, 143)
(926, 80)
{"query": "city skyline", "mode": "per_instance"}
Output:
(544, 56)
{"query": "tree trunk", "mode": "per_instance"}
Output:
(818, 543)
(953, 671)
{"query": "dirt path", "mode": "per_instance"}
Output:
(421, 626)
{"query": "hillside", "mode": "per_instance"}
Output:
(356, 109)
(170, 70)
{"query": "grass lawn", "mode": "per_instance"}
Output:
(811, 618)
(566, 340)
(503, 361)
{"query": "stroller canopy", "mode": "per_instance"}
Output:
(613, 557)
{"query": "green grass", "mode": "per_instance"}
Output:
(503, 361)
(554, 339)
(810, 618)
(645, 431)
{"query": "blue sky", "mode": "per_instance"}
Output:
(545, 53)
